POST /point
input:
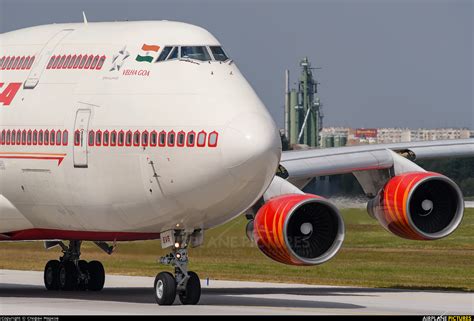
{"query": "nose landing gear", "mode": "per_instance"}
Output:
(184, 283)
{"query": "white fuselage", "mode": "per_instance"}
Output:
(75, 185)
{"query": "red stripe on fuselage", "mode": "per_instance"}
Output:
(51, 234)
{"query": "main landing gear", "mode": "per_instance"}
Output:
(184, 283)
(70, 273)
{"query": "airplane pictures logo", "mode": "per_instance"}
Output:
(150, 52)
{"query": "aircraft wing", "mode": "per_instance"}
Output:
(304, 164)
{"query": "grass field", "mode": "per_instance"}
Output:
(370, 256)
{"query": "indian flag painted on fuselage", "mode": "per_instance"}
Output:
(150, 52)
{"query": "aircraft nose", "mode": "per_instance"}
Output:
(251, 147)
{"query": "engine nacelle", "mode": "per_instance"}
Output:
(419, 206)
(298, 229)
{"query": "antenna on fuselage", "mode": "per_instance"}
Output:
(84, 16)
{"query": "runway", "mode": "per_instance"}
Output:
(22, 292)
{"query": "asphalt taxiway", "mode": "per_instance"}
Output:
(22, 292)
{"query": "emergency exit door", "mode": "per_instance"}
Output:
(81, 127)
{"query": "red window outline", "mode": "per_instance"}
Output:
(30, 63)
(162, 139)
(8, 137)
(15, 63)
(22, 60)
(128, 138)
(77, 61)
(66, 62)
(2, 138)
(209, 139)
(29, 138)
(121, 134)
(71, 62)
(52, 137)
(23, 137)
(35, 137)
(10, 63)
(55, 62)
(65, 137)
(51, 62)
(58, 137)
(113, 142)
(83, 61)
(77, 137)
(143, 142)
(5, 63)
(2, 60)
(183, 135)
(25, 63)
(98, 138)
(171, 139)
(104, 142)
(88, 61)
(202, 132)
(94, 62)
(136, 138)
(91, 138)
(188, 144)
(155, 134)
(100, 63)
(40, 137)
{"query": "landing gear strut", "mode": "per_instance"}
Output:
(184, 283)
(70, 273)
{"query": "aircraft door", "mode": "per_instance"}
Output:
(43, 58)
(81, 127)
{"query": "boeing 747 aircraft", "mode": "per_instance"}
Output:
(128, 131)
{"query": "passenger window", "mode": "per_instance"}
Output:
(128, 140)
(29, 138)
(46, 137)
(71, 63)
(13, 137)
(162, 140)
(180, 142)
(83, 61)
(94, 62)
(40, 137)
(218, 53)
(91, 138)
(35, 137)
(113, 138)
(30, 63)
(106, 138)
(58, 138)
(173, 54)
(98, 138)
(121, 138)
(195, 52)
(145, 138)
(8, 137)
(171, 138)
(191, 138)
(2, 139)
(201, 139)
(78, 60)
(136, 138)
(52, 137)
(51, 61)
(101, 63)
(65, 137)
(23, 137)
(77, 138)
(17, 60)
(66, 63)
(25, 64)
(164, 53)
(153, 138)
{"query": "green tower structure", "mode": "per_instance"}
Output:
(303, 115)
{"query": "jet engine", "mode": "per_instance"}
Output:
(418, 206)
(298, 229)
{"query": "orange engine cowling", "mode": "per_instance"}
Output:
(419, 206)
(298, 229)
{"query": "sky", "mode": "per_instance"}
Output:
(385, 63)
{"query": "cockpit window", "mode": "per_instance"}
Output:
(173, 54)
(195, 52)
(218, 53)
(164, 53)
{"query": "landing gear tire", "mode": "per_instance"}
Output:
(165, 288)
(51, 275)
(96, 276)
(192, 294)
(67, 276)
(83, 281)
